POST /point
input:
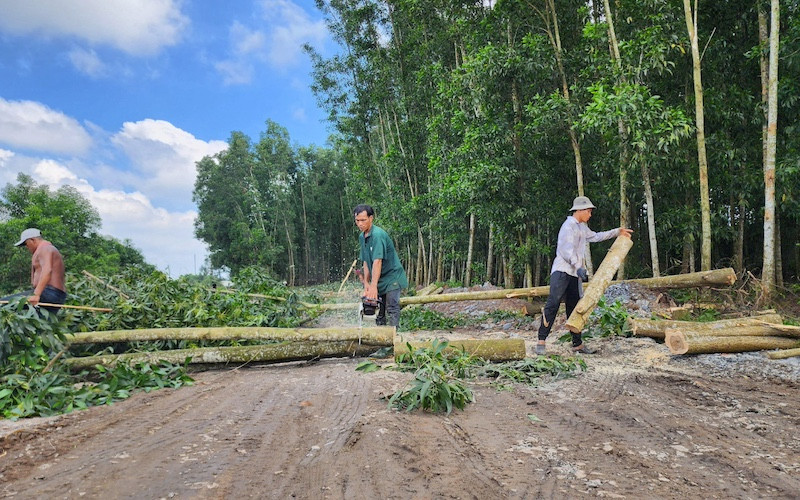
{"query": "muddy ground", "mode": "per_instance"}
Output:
(639, 423)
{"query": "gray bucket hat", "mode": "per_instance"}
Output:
(27, 234)
(581, 203)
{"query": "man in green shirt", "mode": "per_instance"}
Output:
(384, 275)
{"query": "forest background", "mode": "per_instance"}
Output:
(471, 127)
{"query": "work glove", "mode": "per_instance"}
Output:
(582, 275)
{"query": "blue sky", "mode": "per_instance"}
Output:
(120, 98)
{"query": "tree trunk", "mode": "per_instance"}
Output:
(306, 242)
(601, 280)
(705, 206)
(490, 255)
(376, 335)
(624, 154)
(470, 247)
(275, 353)
(651, 220)
(656, 328)
(680, 343)
(488, 349)
(291, 253)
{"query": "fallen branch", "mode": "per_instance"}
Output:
(786, 353)
(488, 349)
(656, 328)
(376, 335)
(92, 276)
(681, 343)
(269, 353)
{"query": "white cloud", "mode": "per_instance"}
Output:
(87, 62)
(246, 41)
(165, 238)
(235, 72)
(280, 45)
(140, 27)
(164, 158)
(32, 125)
(293, 28)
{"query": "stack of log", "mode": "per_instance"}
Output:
(754, 333)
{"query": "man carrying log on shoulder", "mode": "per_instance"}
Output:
(569, 270)
(47, 270)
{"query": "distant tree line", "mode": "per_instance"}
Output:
(471, 127)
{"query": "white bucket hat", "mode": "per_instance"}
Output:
(581, 203)
(27, 234)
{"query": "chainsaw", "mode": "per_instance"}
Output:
(369, 308)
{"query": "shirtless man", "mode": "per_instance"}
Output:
(47, 270)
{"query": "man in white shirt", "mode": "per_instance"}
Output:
(569, 270)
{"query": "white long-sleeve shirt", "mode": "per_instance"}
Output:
(572, 238)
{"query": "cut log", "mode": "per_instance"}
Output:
(680, 343)
(600, 281)
(375, 335)
(268, 353)
(488, 349)
(656, 328)
(786, 353)
(704, 278)
(760, 330)
(532, 308)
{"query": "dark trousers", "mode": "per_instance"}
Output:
(562, 287)
(50, 295)
(389, 310)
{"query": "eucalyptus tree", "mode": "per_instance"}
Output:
(702, 161)
(768, 269)
(231, 192)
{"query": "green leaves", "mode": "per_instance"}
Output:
(435, 387)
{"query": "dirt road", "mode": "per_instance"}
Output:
(638, 424)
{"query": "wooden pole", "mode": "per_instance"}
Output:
(680, 343)
(274, 353)
(488, 349)
(655, 328)
(348, 274)
(597, 287)
(376, 335)
(67, 306)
